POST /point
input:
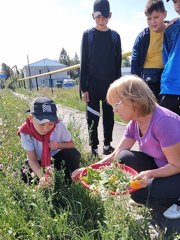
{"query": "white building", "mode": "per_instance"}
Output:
(44, 66)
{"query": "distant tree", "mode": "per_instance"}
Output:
(76, 59)
(6, 69)
(64, 57)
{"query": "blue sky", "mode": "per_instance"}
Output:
(41, 28)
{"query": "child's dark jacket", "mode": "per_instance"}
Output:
(139, 51)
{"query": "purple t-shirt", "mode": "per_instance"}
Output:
(163, 131)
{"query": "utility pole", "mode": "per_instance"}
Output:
(30, 80)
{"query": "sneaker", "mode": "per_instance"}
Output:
(108, 150)
(172, 212)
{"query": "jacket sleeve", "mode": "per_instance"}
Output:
(84, 62)
(136, 56)
(165, 52)
(118, 58)
(171, 34)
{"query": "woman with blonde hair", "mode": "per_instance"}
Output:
(157, 131)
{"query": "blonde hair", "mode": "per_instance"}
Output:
(135, 90)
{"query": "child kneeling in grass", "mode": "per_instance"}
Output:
(43, 136)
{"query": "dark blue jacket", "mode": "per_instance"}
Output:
(139, 52)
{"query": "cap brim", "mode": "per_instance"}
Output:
(46, 118)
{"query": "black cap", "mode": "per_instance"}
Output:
(44, 108)
(101, 7)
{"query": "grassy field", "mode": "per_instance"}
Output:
(58, 213)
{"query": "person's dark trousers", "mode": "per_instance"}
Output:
(162, 192)
(155, 88)
(71, 158)
(108, 122)
(93, 115)
(152, 77)
(172, 102)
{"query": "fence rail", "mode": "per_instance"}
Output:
(51, 73)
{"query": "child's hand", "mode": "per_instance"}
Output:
(53, 145)
(45, 182)
(85, 97)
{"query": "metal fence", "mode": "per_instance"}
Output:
(22, 81)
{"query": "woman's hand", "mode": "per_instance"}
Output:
(145, 178)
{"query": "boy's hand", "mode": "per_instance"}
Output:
(45, 182)
(85, 96)
(53, 145)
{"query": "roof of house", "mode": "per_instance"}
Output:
(47, 62)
